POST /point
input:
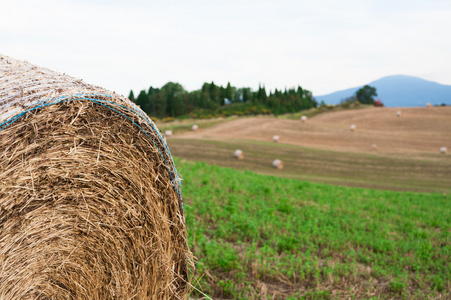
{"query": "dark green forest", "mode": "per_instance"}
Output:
(172, 100)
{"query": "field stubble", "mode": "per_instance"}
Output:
(406, 156)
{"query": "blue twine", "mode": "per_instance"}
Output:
(101, 102)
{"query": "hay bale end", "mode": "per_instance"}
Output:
(90, 200)
(238, 154)
(277, 164)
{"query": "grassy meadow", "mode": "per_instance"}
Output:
(262, 237)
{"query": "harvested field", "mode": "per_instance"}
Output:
(432, 172)
(407, 155)
(419, 131)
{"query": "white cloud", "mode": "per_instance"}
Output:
(321, 45)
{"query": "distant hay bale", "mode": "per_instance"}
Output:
(238, 154)
(428, 104)
(398, 114)
(304, 119)
(168, 133)
(275, 139)
(278, 164)
(373, 147)
(443, 150)
(90, 200)
(352, 128)
(195, 127)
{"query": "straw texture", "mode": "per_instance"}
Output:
(90, 202)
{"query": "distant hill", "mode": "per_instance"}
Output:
(399, 90)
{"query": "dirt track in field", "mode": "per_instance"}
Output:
(416, 131)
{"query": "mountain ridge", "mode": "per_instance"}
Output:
(399, 90)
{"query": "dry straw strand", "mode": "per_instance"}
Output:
(90, 201)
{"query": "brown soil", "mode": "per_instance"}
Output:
(418, 130)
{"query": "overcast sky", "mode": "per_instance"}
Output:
(322, 45)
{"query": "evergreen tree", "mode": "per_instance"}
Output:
(215, 93)
(131, 96)
(143, 101)
(222, 95)
(152, 94)
(228, 92)
(174, 94)
(261, 94)
(300, 92)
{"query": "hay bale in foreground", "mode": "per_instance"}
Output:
(238, 154)
(195, 127)
(304, 119)
(90, 203)
(352, 128)
(275, 139)
(443, 150)
(278, 164)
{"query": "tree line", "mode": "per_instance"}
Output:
(172, 100)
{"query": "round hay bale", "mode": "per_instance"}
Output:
(428, 104)
(90, 200)
(304, 119)
(278, 164)
(373, 147)
(195, 127)
(398, 114)
(168, 133)
(443, 150)
(238, 154)
(275, 139)
(352, 128)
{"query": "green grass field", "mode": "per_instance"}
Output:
(263, 237)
